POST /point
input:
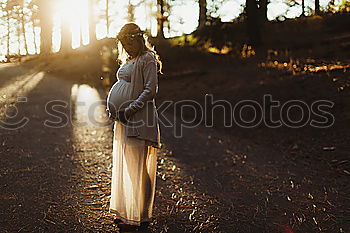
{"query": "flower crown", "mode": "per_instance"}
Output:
(130, 35)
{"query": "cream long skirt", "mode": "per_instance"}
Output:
(133, 177)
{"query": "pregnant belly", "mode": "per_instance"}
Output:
(119, 96)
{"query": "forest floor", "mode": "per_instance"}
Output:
(56, 177)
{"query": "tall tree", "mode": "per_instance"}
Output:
(8, 34)
(23, 22)
(81, 34)
(19, 38)
(160, 18)
(33, 18)
(263, 10)
(92, 22)
(16, 8)
(46, 23)
(107, 17)
(6, 8)
(317, 7)
(202, 13)
(253, 23)
(131, 12)
(302, 7)
(66, 35)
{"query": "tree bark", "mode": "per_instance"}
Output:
(317, 7)
(202, 13)
(66, 36)
(24, 30)
(302, 7)
(92, 23)
(34, 35)
(253, 24)
(160, 19)
(19, 39)
(131, 12)
(8, 35)
(81, 41)
(263, 10)
(45, 16)
(107, 17)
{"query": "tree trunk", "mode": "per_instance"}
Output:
(66, 36)
(19, 39)
(107, 17)
(45, 16)
(92, 23)
(263, 10)
(253, 24)
(8, 35)
(34, 39)
(81, 34)
(160, 19)
(24, 30)
(302, 7)
(202, 13)
(317, 7)
(131, 12)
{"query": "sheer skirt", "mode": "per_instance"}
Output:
(133, 177)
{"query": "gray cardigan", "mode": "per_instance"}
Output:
(143, 122)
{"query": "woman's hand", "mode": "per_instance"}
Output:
(124, 115)
(110, 115)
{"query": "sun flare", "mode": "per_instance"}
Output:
(74, 13)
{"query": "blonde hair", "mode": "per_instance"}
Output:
(142, 38)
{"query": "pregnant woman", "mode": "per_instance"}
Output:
(131, 105)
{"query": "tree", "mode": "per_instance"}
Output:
(107, 17)
(66, 35)
(92, 22)
(45, 16)
(19, 38)
(33, 18)
(302, 7)
(263, 10)
(160, 18)
(131, 12)
(293, 3)
(15, 10)
(253, 23)
(6, 8)
(317, 7)
(202, 13)
(21, 18)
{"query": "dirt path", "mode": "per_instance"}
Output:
(57, 178)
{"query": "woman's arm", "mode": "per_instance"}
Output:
(150, 86)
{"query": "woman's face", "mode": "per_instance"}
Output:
(132, 46)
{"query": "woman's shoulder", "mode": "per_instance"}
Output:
(148, 56)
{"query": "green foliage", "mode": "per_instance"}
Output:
(344, 6)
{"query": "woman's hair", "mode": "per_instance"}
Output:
(132, 29)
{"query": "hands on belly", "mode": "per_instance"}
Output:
(122, 115)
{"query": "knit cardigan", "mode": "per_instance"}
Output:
(143, 122)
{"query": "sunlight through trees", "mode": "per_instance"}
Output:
(45, 26)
